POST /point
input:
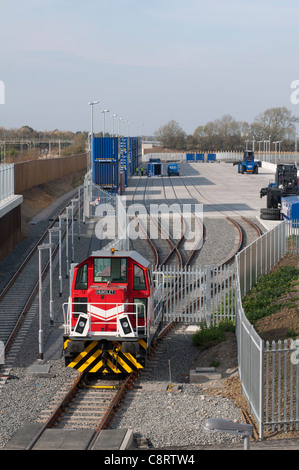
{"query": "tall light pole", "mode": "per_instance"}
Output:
(104, 112)
(119, 119)
(91, 104)
(113, 116)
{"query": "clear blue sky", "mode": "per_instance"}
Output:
(148, 61)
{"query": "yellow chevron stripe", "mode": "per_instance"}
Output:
(97, 364)
(142, 343)
(82, 354)
(90, 360)
(124, 364)
(114, 367)
(66, 343)
(133, 360)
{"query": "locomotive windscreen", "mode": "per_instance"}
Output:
(110, 270)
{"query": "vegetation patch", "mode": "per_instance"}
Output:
(208, 336)
(263, 299)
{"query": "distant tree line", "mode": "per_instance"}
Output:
(225, 134)
(39, 143)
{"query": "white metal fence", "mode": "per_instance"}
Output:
(7, 186)
(269, 373)
(196, 294)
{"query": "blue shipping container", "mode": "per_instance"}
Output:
(154, 169)
(105, 148)
(106, 174)
(173, 169)
(290, 208)
(123, 161)
(211, 157)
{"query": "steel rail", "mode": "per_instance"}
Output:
(33, 292)
(57, 411)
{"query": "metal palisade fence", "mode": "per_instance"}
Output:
(196, 294)
(6, 181)
(269, 372)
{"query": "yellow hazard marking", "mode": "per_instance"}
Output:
(114, 362)
(66, 343)
(90, 360)
(83, 354)
(114, 367)
(142, 343)
(112, 387)
(122, 363)
(97, 366)
(133, 360)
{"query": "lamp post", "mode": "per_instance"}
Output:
(113, 116)
(104, 111)
(91, 104)
(279, 142)
(45, 246)
(52, 231)
(119, 119)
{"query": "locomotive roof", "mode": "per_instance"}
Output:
(122, 254)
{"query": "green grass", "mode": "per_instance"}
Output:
(208, 336)
(261, 301)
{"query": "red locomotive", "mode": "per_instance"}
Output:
(113, 314)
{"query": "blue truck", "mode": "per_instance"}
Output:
(173, 169)
(248, 164)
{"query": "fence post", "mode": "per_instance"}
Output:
(208, 294)
(262, 391)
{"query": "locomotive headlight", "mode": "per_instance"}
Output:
(125, 324)
(81, 323)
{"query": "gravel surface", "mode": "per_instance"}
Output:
(161, 417)
(168, 411)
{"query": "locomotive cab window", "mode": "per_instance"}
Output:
(81, 278)
(139, 282)
(110, 270)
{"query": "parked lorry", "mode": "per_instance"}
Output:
(285, 185)
(173, 169)
(248, 164)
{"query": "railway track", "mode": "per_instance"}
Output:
(162, 245)
(90, 402)
(246, 230)
(171, 251)
(19, 295)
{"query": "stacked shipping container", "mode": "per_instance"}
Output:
(106, 162)
(114, 161)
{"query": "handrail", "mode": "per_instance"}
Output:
(137, 316)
